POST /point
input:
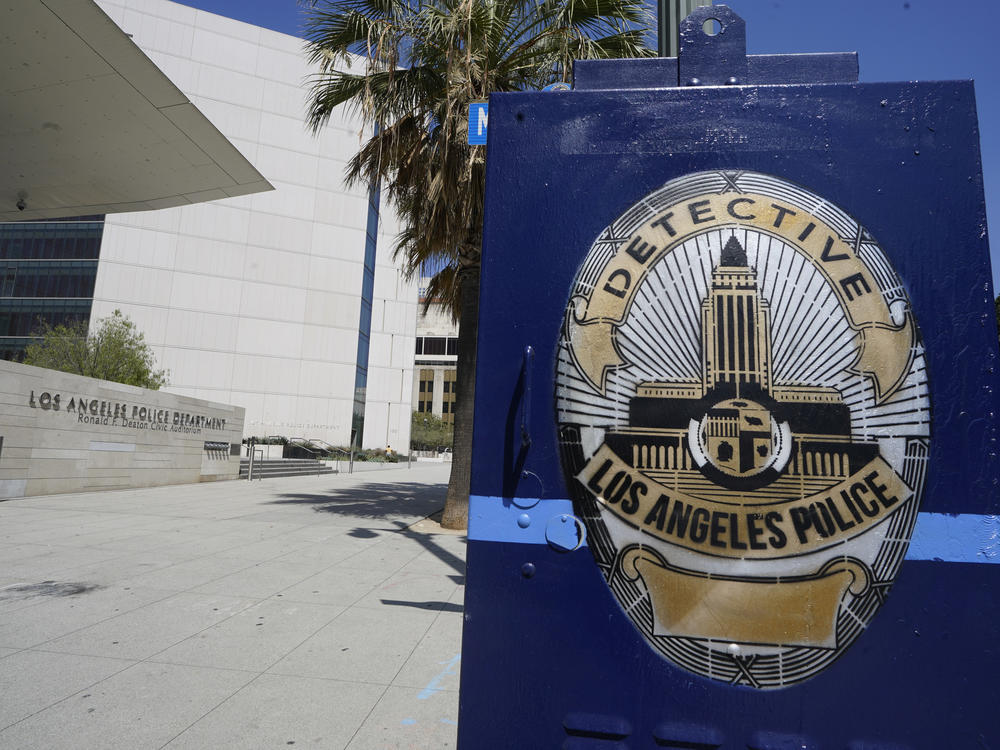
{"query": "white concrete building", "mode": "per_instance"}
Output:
(257, 301)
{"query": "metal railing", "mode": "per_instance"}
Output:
(309, 445)
(254, 454)
(304, 445)
(337, 452)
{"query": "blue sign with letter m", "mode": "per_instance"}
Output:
(478, 117)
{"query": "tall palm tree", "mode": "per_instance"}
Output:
(409, 69)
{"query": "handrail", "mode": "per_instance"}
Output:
(334, 449)
(305, 443)
(301, 442)
(329, 448)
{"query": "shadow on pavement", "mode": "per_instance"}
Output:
(385, 501)
(437, 606)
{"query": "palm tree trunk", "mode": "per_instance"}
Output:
(456, 506)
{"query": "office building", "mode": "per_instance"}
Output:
(285, 302)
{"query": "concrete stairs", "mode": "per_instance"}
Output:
(284, 467)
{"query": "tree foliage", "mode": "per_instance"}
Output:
(428, 432)
(114, 350)
(421, 64)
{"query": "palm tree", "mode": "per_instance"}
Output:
(420, 65)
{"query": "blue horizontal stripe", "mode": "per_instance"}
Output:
(964, 538)
(495, 519)
(960, 538)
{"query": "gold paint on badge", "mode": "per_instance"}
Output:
(755, 529)
(885, 350)
(745, 420)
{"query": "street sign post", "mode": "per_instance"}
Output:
(735, 461)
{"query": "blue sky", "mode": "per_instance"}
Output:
(895, 40)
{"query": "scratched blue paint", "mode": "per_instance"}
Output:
(408, 722)
(964, 538)
(496, 519)
(432, 687)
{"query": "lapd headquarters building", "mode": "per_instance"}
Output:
(286, 301)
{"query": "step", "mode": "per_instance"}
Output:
(284, 467)
(261, 472)
(281, 461)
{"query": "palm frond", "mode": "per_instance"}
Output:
(419, 66)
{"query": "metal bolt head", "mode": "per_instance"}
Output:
(528, 570)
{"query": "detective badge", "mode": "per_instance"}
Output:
(744, 421)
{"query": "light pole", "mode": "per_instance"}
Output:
(669, 14)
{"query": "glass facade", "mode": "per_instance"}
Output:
(365, 322)
(47, 272)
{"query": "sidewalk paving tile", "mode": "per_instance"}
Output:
(410, 587)
(261, 580)
(264, 550)
(54, 617)
(434, 664)
(190, 574)
(56, 561)
(361, 645)
(388, 556)
(141, 708)
(147, 631)
(254, 638)
(320, 611)
(332, 551)
(335, 585)
(410, 719)
(47, 678)
(300, 712)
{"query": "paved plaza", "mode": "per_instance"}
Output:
(307, 612)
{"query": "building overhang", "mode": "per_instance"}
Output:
(89, 125)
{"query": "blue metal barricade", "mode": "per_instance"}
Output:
(735, 475)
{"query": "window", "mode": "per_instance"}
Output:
(425, 402)
(48, 274)
(434, 345)
(448, 388)
(453, 345)
(8, 282)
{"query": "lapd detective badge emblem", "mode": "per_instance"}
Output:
(744, 421)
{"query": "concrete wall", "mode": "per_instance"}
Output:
(256, 300)
(67, 433)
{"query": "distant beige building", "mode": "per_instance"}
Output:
(435, 361)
